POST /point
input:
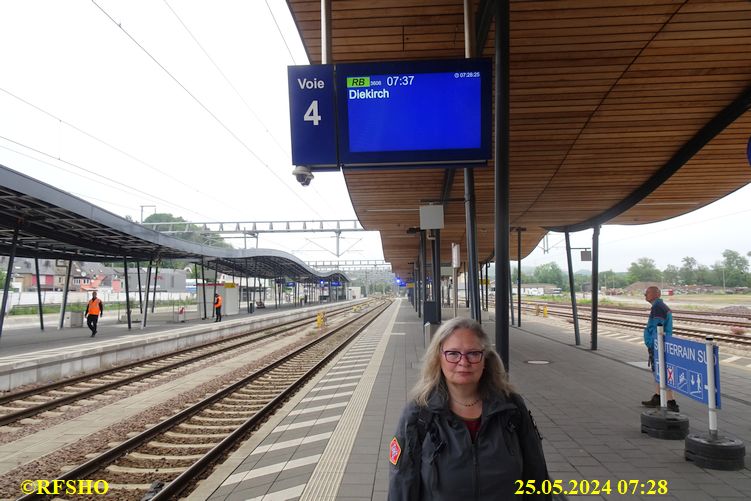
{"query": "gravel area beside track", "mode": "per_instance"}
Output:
(52, 465)
(28, 426)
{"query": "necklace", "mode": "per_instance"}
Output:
(472, 404)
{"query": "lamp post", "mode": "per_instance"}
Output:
(145, 206)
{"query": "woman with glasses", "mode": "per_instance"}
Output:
(465, 434)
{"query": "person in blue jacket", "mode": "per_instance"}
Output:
(465, 434)
(660, 314)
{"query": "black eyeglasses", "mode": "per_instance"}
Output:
(454, 357)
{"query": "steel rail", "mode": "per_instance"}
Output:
(12, 417)
(699, 318)
(746, 316)
(102, 460)
(683, 331)
(8, 397)
(194, 471)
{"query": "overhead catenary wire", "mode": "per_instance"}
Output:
(255, 115)
(294, 61)
(226, 79)
(78, 194)
(90, 198)
(279, 29)
(113, 147)
(95, 176)
(206, 109)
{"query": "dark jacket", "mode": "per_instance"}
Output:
(448, 466)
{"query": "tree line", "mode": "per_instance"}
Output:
(730, 272)
(187, 231)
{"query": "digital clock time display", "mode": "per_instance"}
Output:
(400, 80)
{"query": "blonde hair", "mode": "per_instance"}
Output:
(494, 379)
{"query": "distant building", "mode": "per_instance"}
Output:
(167, 280)
(51, 277)
(86, 276)
(90, 276)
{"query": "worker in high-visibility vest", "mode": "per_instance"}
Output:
(94, 309)
(218, 307)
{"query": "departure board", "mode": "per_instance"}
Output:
(414, 112)
(391, 114)
(422, 111)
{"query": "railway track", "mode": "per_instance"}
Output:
(703, 317)
(35, 401)
(171, 455)
(727, 338)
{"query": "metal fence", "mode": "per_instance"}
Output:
(56, 298)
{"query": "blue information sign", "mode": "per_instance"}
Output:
(432, 111)
(312, 116)
(414, 112)
(394, 114)
(686, 368)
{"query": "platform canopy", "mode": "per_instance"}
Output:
(621, 112)
(54, 224)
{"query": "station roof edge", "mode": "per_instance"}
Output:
(55, 224)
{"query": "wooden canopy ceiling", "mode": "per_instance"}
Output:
(609, 98)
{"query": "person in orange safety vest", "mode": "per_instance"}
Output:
(94, 310)
(218, 307)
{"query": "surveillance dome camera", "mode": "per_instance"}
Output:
(303, 175)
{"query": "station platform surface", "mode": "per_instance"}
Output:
(22, 335)
(330, 441)
(29, 355)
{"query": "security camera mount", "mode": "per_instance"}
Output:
(303, 175)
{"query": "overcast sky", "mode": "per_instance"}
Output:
(703, 234)
(184, 106)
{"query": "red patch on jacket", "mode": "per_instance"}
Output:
(395, 451)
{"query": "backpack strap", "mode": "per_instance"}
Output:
(517, 399)
(535, 466)
(423, 420)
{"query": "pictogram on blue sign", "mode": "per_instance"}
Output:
(686, 368)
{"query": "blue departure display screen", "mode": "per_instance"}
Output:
(414, 112)
(424, 111)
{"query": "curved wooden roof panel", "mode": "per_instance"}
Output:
(607, 96)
